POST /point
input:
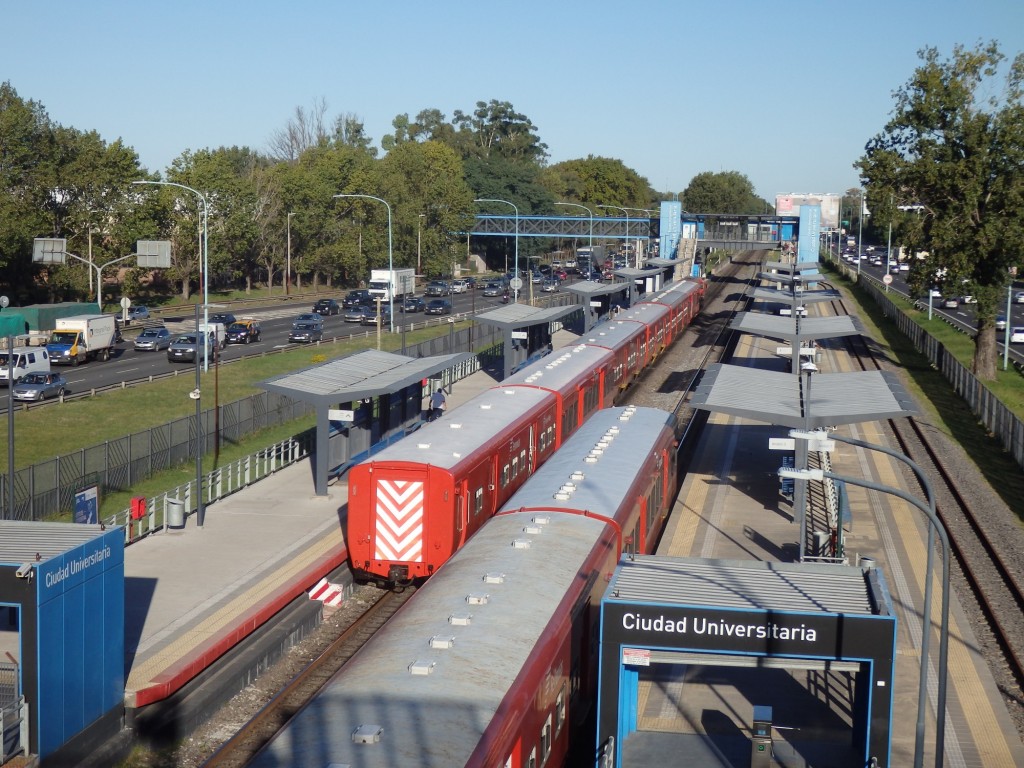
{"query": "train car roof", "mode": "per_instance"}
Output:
(613, 333)
(673, 294)
(431, 681)
(645, 312)
(597, 465)
(561, 370)
(450, 439)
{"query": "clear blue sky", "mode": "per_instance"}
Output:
(787, 93)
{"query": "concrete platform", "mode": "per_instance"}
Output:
(193, 594)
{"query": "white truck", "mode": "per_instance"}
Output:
(80, 338)
(392, 283)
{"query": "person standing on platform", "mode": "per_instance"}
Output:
(437, 404)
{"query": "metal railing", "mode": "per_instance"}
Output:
(217, 484)
(996, 417)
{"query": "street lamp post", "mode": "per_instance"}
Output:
(935, 526)
(391, 263)
(288, 262)
(419, 244)
(516, 209)
(625, 211)
(860, 232)
(205, 257)
(647, 211)
(577, 205)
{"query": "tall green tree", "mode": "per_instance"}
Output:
(953, 152)
(723, 192)
(598, 180)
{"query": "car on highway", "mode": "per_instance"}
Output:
(306, 333)
(459, 286)
(39, 386)
(494, 288)
(153, 340)
(550, 285)
(224, 318)
(326, 307)
(309, 317)
(357, 313)
(1016, 337)
(951, 302)
(438, 307)
(183, 349)
(137, 312)
(1000, 322)
(243, 331)
(385, 317)
(357, 297)
(1019, 298)
(414, 304)
(438, 288)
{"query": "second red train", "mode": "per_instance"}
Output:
(414, 504)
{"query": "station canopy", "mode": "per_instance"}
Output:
(785, 327)
(514, 316)
(365, 374)
(589, 288)
(776, 397)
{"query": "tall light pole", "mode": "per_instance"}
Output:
(419, 244)
(391, 262)
(935, 527)
(516, 209)
(288, 262)
(860, 232)
(625, 211)
(647, 211)
(205, 257)
(577, 205)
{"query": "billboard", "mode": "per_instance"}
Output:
(789, 205)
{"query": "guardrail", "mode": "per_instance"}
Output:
(190, 369)
(217, 484)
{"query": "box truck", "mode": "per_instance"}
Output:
(80, 338)
(392, 283)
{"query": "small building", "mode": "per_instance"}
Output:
(61, 635)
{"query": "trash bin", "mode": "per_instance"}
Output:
(174, 513)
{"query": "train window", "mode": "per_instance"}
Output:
(504, 476)
(545, 741)
(522, 458)
(531, 761)
(560, 710)
(478, 501)
(515, 467)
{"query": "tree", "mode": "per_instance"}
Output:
(725, 192)
(597, 180)
(305, 129)
(495, 128)
(954, 153)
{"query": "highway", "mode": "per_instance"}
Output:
(962, 317)
(127, 364)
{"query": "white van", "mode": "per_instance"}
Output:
(217, 331)
(26, 360)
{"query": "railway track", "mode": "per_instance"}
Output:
(704, 344)
(984, 543)
(243, 746)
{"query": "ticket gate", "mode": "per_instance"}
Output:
(761, 737)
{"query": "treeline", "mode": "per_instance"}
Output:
(69, 183)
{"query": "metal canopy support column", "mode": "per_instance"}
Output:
(321, 457)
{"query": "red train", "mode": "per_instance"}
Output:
(415, 503)
(494, 661)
